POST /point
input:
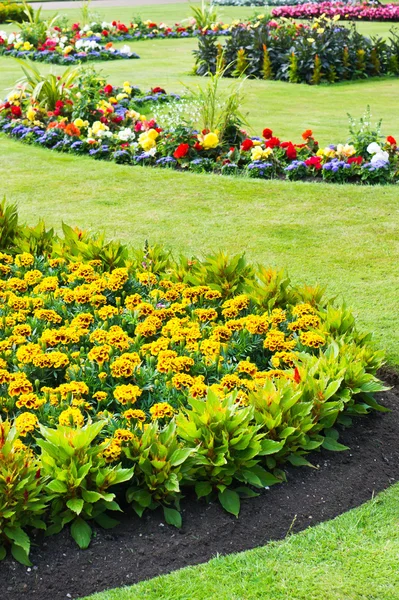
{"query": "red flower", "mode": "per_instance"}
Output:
(307, 134)
(75, 27)
(59, 104)
(273, 142)
(151, 123)
(158, 90)
(16, 111)
(267, 133)
(197, 146)
(290, 151)
(355, 159)
(108, 89)
(313, 161)
(114, 23)
(297, 376)
(138, 127)
(105, 33)
(391, 140)
(247, 145)
(181, 151)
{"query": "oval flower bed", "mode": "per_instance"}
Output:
(57, 48)
(364, 11)
(138, 378)
(105, 122)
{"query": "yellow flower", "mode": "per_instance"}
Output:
(71, 417)
(210, 140)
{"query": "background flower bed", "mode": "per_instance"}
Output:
(101, 345)
(351, 12)
(322, 52)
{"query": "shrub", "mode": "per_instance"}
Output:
(10, 11)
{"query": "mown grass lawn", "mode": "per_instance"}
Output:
(353, 557)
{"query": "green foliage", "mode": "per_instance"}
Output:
(33, 27)
(317, 73)
(48, 89)
(9, 229)
(80, 479)
(228, 448)
(293, 76)
(205, 15)
(267, 65)
(160, 463)
(362, 132)
(23, 497)
(12, 11)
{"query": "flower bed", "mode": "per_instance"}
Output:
(365, 11)
(142, 377)
(106, 122)
(56, 48)
(144, 30)
(323, 52)
(260, 3)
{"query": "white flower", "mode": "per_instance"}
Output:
(126, 134)
(380, 157)
(373, 148)
(125, 49)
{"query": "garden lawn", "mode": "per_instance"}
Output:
(353, 557)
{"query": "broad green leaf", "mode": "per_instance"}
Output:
(203, 488)
(330, 443)
(270, 447)
(57, 486)
(105, 521)
(81, 533)
(299, 461)
(76, 505)
(18, 535)
(20, 555)
(230, 501)
(172, 516)
(3, 552)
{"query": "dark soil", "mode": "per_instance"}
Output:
(141, 549)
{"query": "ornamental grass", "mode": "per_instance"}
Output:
(133, 376)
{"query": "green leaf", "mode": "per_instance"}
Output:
(180, 455)
(203, 488)
(299, 461)
(75, 505)
(90, 496)
(105, 521)
(330, 443)
(20, 555)
(3, 552)
(270, 447)
(57, 486)
(18, 535)
(246, 492)
(172, 516)
(81, 533)
(230, 501)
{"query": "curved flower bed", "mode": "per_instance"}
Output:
(60, 49)
(143, 30)
(366, 11)
(106, 124)
(144, 377)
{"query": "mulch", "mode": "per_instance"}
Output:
(140, 549)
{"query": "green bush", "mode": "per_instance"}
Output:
(12, 12)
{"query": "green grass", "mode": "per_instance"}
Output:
(345, 237)
(353, 557)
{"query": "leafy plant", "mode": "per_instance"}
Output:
(229, 447)
(205, 15)
(9, 229)
(23, 496)
(362, 132)
(48, 89)
(79, 480)
(160, 463)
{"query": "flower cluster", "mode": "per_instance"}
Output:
(79, 344)
(113, 128)
(260, 2)
(59, 47)
(320, 52)
(364, 11)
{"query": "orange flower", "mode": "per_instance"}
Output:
(108, 46)
(72, 130)
(307, 134)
